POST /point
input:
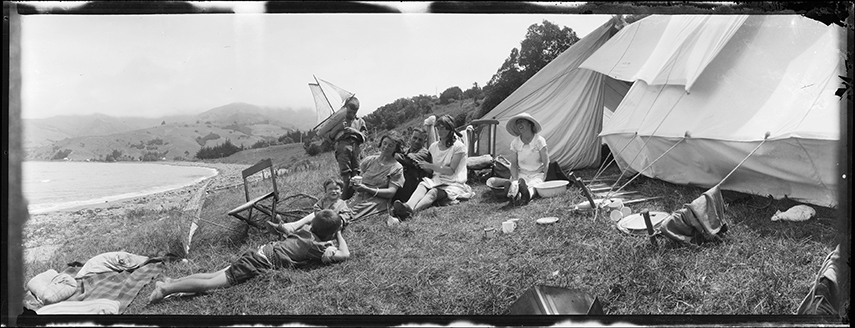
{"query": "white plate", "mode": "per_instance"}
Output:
(636, 221)
(549, 220)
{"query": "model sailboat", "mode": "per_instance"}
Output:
(329, 103)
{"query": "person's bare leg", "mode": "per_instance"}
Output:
(426, 201)
(417, 196)
(203, 275)
(195, 283)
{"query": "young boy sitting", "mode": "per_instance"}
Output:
(300, 246)
(331, 201)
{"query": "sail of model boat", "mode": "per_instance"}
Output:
(329, 98)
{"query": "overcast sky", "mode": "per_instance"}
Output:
(155, 65)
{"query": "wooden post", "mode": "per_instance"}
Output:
(650, 234)
(585, 191)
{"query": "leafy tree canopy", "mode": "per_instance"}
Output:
(543, 42)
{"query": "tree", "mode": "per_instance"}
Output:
(507, 79)
(450, 93)
(114, 156)
(62, 154)
(163, 123)
(474, 92)
(223, 150)
(542, 43)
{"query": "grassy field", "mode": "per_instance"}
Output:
(439, 262)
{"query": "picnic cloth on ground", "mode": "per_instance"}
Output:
(112, 261)
(96, 306)
(118, 286)
(51, 287)
(699, 221)
(822, 299)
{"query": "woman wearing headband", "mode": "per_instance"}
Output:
(449, 170)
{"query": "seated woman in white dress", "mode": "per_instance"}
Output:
(448, 182)
(528, 160)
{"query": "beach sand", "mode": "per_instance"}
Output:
(41, 235)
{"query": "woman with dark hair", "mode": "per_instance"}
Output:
(448, 165)
(382, 175)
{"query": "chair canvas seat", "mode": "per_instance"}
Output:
(250, 203)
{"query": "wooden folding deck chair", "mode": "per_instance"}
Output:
(479, 142)
(244, 212)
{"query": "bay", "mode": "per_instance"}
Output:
(50, 186)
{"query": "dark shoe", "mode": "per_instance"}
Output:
(402, 210)
(526, 196)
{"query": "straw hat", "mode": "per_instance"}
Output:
(512, 124)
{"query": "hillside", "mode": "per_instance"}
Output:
(94, 137)
(46, 131)
(455, 108)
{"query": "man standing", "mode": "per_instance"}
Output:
(413, 174)
(347, 142)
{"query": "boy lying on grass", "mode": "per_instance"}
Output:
(300, 246)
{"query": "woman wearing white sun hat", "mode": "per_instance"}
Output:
(529, 160)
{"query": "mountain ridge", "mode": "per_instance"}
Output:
(95, 136)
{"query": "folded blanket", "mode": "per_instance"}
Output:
(50, 286)
(97, 306)
(479, 162)
(112, 261)
(702, 220)
(118, 286)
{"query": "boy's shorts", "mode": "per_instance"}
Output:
(249, 265)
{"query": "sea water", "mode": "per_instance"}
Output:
(50, 186)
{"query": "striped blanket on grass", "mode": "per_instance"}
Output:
(118, 286)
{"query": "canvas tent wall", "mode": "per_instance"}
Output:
(727, 80)
(567, 101)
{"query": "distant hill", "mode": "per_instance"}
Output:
(42, 132)
(94, 137)
(247, 114)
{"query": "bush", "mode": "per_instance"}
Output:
(461, 119)
(62, 154)
(450, 94)
(313, 149)
(210, 136)
(152, 156)
(260, 144)
(224, 150)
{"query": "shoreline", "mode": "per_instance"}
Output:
(41, 234)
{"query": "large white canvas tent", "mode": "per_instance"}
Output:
(563, 98)
(727, 81)
(724, 80)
